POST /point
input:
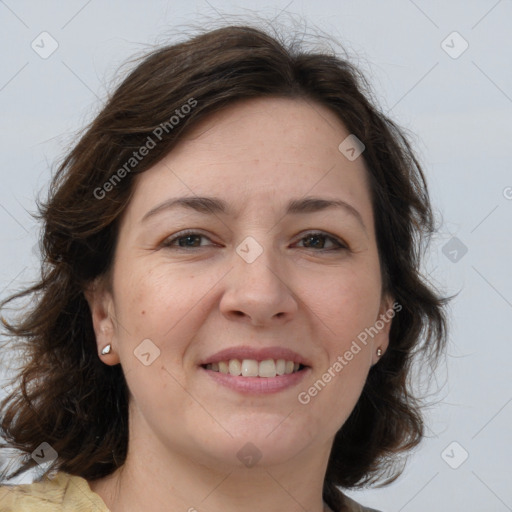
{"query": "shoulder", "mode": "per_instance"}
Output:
(58, 493)
(354, 506)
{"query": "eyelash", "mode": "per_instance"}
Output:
(168, 243)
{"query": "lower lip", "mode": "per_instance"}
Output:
(258, 385)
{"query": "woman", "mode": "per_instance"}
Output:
(231, 299)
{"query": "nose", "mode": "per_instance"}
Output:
(259, 292)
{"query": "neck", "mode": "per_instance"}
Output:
(158, 479)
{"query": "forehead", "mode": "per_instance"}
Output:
(258, 151)
(290, 127)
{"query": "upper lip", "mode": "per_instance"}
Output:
(259, 354)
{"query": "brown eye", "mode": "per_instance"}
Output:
(318, 241)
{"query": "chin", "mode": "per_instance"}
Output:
(265, 441)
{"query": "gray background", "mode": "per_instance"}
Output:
(459, 108)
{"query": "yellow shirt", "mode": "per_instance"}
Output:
(61, 493)
(69, 493)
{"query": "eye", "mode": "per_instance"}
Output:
(185, 239)
(316, 240)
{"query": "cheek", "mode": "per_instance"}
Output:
(151, 299)
(347, 304)
(162, 306)
(154, 331)
(348, 307)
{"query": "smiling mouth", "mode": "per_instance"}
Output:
(252, 368)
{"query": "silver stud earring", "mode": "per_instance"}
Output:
(106, 349)
(379, 352)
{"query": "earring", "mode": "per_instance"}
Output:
(106, 349)
(379, 352)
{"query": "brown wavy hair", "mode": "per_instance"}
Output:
(64, 395)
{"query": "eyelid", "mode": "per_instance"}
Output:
(340, 243)
(182, 234)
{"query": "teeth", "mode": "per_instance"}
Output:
(253, 368)
(250, 368)
(235, 368)
(267, 368)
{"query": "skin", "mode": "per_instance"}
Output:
(185, 430)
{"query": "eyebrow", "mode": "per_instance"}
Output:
(213, 206)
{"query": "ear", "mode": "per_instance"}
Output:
(387, 311)
(101, 305)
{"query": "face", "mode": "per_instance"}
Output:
(245, 276)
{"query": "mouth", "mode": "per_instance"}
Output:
(267, 368)
(255, 371)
